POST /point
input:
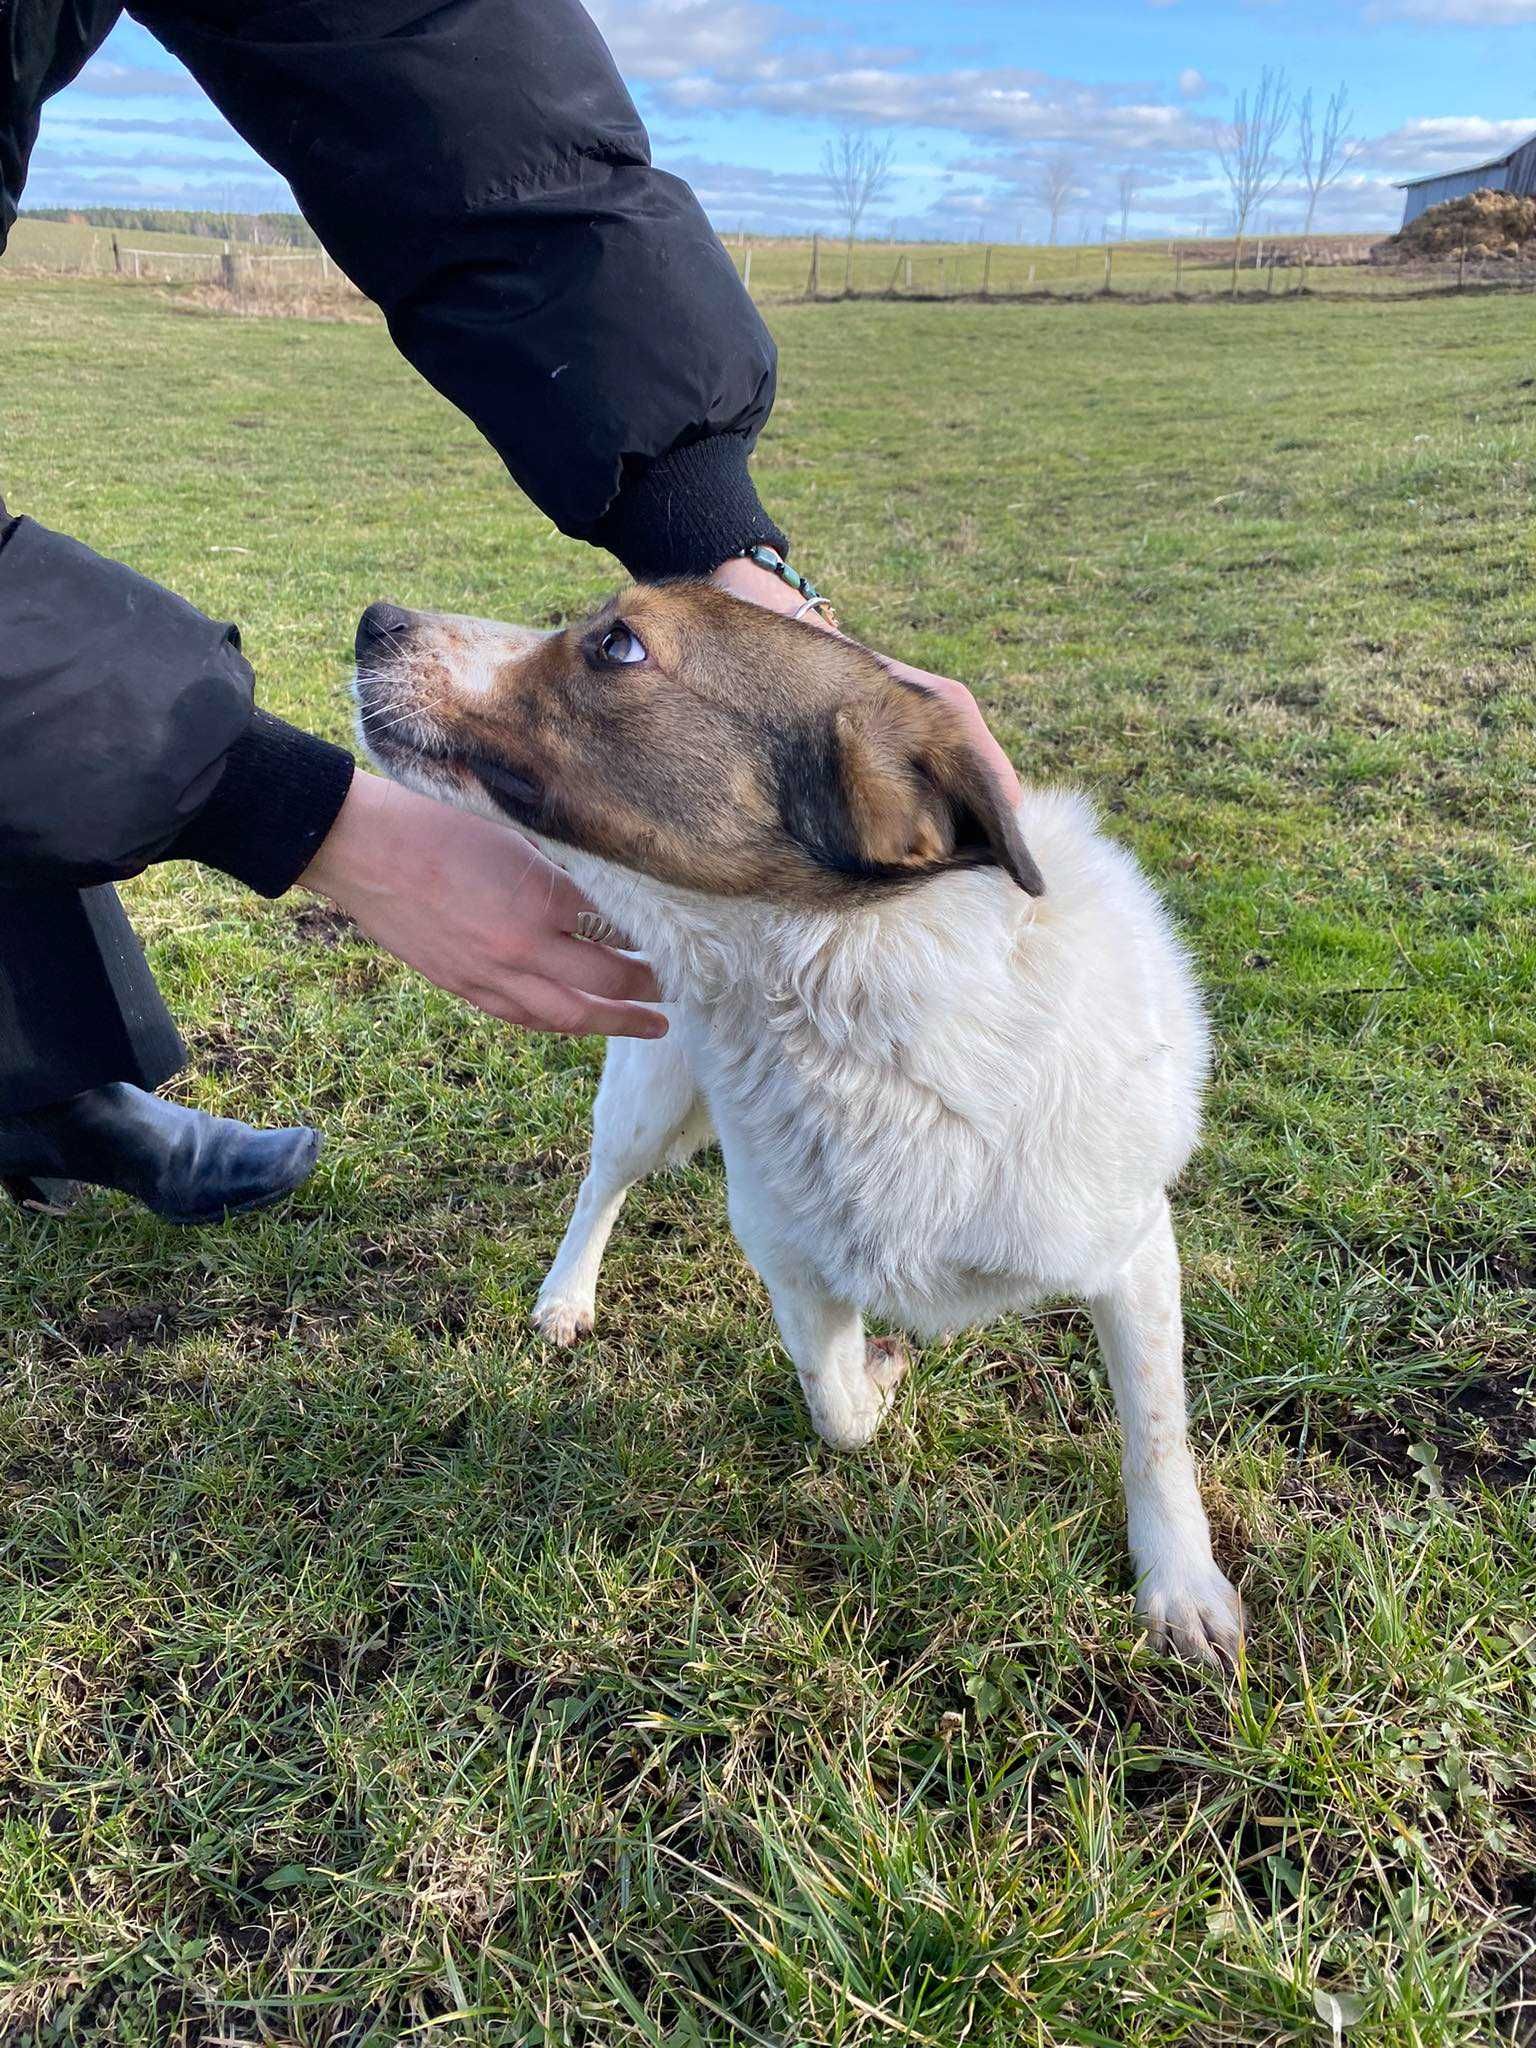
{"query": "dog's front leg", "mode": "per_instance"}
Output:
(648, 1112)
(1180, 1593)
(849, 1379)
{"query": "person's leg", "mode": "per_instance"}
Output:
(85, 1038)
(78, 1004)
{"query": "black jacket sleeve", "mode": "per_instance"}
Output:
(478, 169)
(128, 734)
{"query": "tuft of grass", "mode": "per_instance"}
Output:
(370, 1674)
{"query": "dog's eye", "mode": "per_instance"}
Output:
(619, 644)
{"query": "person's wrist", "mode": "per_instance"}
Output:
(357, 850)
(756, 585)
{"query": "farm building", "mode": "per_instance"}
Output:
(1515, 172)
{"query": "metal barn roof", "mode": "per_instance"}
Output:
(1493, 163)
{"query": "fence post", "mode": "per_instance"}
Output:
(325, 265)
(1271, 270)
(1109, 257)
(909, 273)
(746, 271)
(814, 279)
(136, 263)
(986, 271)
(1178, 271)
(1461, 268)
(1031, 278)
(943, 277)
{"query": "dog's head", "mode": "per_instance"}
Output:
(686, 735)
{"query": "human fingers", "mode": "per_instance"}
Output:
(537, 1004)
(599, 970)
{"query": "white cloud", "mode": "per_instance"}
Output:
(1457, 13)
(188, 127)
(1003, 104)
(663, 41)
(1444, 143)
(1193, 83)
(111, 80)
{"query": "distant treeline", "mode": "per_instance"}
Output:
(278, 228)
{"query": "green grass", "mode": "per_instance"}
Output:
(371, 1674)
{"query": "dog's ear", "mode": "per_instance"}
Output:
(918, 796)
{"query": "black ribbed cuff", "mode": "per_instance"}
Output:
(686, 512)
(275, 801)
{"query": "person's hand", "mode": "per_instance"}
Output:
(478, 910)
(760, 586)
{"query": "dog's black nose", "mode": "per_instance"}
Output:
(381, 626)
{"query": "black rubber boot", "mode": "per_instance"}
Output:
(182, 1164)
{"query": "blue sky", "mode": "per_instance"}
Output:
(976, 95)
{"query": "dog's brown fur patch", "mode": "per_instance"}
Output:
(745, 755)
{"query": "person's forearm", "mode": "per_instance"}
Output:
(486, 179)
(271, 809)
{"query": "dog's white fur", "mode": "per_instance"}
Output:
(955, 1102)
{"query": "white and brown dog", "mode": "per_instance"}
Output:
(944, 1088)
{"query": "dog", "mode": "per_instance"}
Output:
(952, 1050)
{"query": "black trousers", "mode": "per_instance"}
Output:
(78, 1004)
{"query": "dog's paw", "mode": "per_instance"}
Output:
(887, 1364)
(847, 1421)
(1192, 1611)
(561, 1321)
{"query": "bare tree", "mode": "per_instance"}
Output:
(1058, 184)
(858, 169)
(1251, 151)
(1324, 153)
(1129, 190)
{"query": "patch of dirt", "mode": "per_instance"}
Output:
(338, 1664)
(320, 925)
(1481, 1432)
(1430, 1262)
(141, 1326)
(216, 1052)
(117, 1332)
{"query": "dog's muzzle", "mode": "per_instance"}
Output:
(380, 630)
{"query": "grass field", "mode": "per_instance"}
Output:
(371, 1674)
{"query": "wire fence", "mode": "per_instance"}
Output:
(256, 277)
(1342, 267)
